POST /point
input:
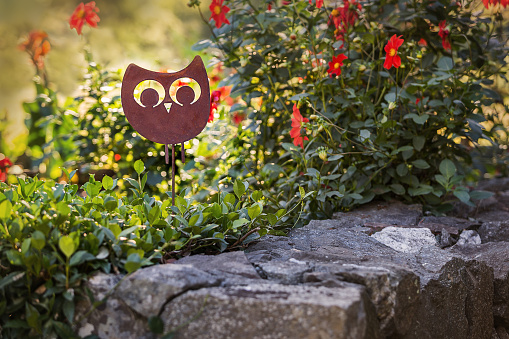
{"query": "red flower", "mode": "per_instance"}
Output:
(319, 3)
(84, 13)
(422, 43)
(215, 97)
(5, 163)
(117, 157)
(417, 101)
(238, 117)
(37, 46)
(219, 12)
(503, 3)
(392, 58)
(443, 32)
(346, 14)
(336, 63)
(297, 121)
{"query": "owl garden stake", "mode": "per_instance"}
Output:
(180, 115)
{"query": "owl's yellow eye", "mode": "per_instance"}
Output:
(149, 93)
(180, 85)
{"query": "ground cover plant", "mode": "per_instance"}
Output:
(316, 106)
(52, 238)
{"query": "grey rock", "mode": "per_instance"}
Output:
(148, 289)
(113, 319)
(232, 268)
(272, 311)
(392, 213)
(494, 185)
(502, 333)
(394, 291)
(494, 231)
(285, 272)
(450, 224)
(456, 303)
(468, 237)
(496, 256)
(330, 243)
(408, 240)
(445, 239)
(495, 208)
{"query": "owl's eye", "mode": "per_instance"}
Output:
(149, 93)
(185, 90)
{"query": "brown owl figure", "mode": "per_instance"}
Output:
(174, 117)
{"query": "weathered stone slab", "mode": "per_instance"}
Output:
(148, 289)
(392, 213)
(285, 272)
(491, 231)
(113, 319)
(232, 268)
(329, 245)
(395, 292)
(450, 224)
(407, 240)
(496, 256)
(272, 311)
(456, 303)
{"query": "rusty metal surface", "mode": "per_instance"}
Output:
(174, 119)
(181, 122)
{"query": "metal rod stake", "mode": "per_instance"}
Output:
(166, 155)
(173, 174)
(183, 152)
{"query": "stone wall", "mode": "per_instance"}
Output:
(382, 271)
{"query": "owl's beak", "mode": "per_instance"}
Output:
(167, 105)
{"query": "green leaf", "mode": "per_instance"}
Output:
(110, 203)
(33, 317)
(462, 195)
(420, 163)
(254, 211)
(10, 278)
(133, 263)
(128, 231)
(272, 219)
(239, 222)
(447, 168)
(229, 198)
(302, 192)
(38, 240)
(5, 210)
(445, 63)
(239, 188)
(442, 180)
(479, 195)
(68, 308)
(63, 208)
(397, 189)
(156, 324)
(80, 257)
(418, 142)
(154, 214)
(67, 245)
(139, 166)
(256, 195)
(107, 183)
(402, 170)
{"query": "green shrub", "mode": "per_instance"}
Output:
(53, 236)
(373, 132)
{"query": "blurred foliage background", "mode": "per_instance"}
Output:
(153, 34)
